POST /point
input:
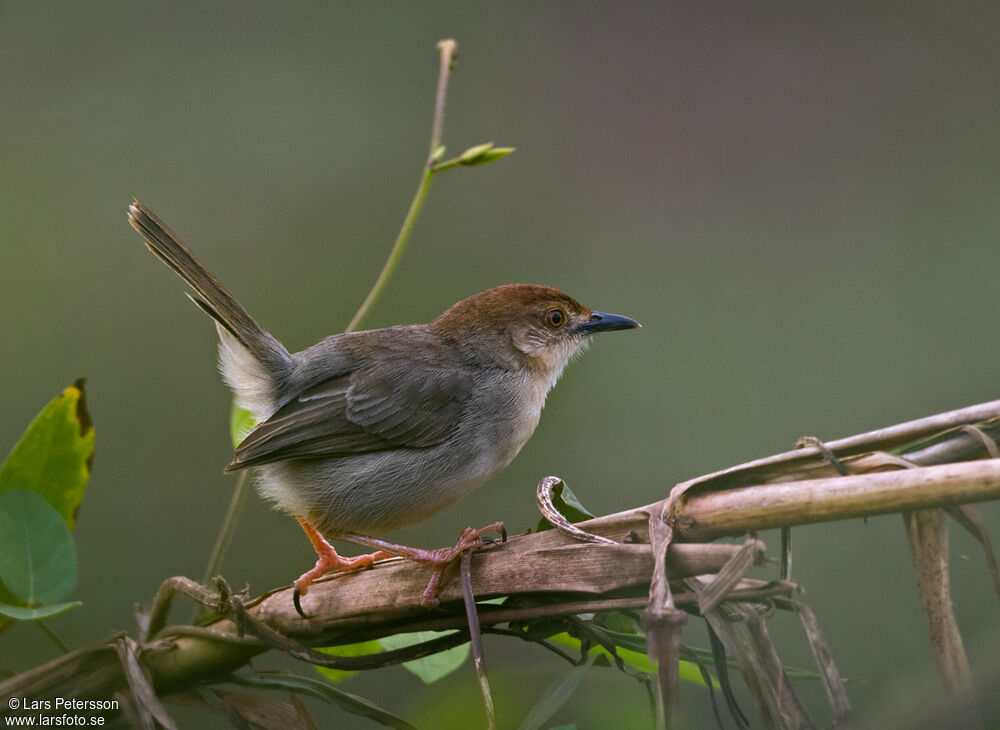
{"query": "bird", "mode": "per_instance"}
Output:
(369, 431)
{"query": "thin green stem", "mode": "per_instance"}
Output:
(226, 531)
(448, 49)
(52, 635)
(397, 250)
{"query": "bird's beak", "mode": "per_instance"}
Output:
(604, 322)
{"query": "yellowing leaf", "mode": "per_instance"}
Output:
(53, 456)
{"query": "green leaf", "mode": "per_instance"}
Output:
(567, 504)
(430, 668)
(482, 154)
(360, 649)
(241, 423)
(438, 153)
(687, 671)
(37, 554)
(22, 613)
(471, 156)
(8, 598)
(493, 155)
(555, 696)
(323, 691)
(53, 456)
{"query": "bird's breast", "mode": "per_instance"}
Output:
(502, 416)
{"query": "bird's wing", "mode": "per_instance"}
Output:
(395, 405)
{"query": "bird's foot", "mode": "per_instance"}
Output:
(441, 558)
(438, 559)
(328, 560)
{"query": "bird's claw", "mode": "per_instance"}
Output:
(297, 601)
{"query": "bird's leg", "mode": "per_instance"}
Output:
(438, 559)
(327, 559)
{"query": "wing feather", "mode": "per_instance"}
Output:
(394, 405)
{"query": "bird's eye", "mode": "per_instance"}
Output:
(556, 318)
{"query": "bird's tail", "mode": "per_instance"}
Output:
(269, 355)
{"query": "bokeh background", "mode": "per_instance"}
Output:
(798, 201)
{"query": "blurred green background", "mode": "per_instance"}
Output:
(799, 203)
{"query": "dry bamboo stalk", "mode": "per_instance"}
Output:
(927, 535)
(798, 462)
(710, 514)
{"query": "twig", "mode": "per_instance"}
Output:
(448, 49)
(156, 619)
(449, 52)
(476, 639)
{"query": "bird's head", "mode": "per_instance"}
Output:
(532, 326)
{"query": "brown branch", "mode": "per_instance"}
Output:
(386, 599)
(377, 602)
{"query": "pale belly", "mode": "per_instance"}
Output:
(381, 491)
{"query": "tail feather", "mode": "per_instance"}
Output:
(212, 297)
